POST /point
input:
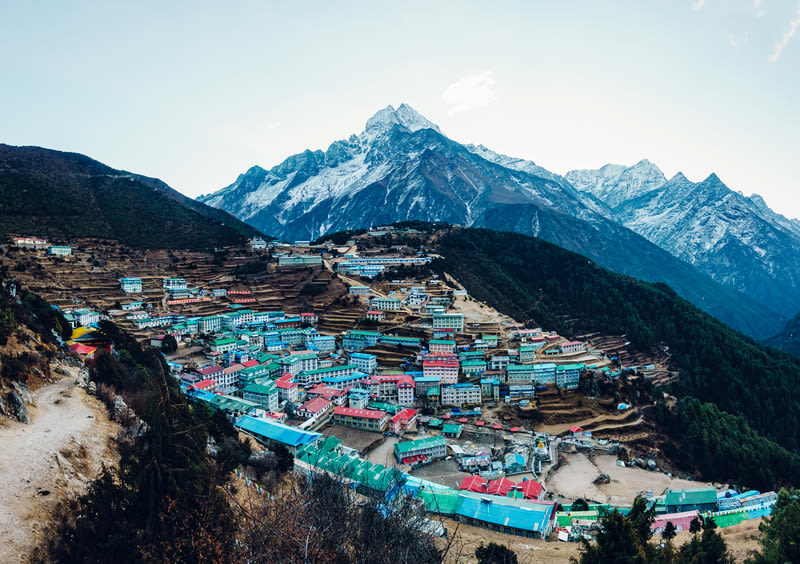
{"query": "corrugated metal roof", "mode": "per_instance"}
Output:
(506, 512)
(277, 431)
(691, 497)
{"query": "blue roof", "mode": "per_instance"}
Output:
(364, 356)
(276, 431)
(520, 515)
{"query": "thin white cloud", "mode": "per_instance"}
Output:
(698, 4)
(732, 39)
(781, 45)
(469, 92)
(273, 125)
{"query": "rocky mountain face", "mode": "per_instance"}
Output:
(401, 167)
(736, 240)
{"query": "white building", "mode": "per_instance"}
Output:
(455, 321)
(385, 304)
(445, 370)
(461, 394)
(131, 285)
(174, 284)
(59, 250)
(366, 363)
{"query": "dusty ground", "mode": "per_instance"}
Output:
(442, 472)
(362, 441)
(741, 540)
(528, 551)
(41, 463)
(575, 480)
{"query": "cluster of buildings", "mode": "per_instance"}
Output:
(39, 244)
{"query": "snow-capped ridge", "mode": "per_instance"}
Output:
(404, 115)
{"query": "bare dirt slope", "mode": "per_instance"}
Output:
(55, 456)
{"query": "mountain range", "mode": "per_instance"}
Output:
(402, 167)
(63, 195)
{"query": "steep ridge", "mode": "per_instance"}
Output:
(724, 235)
(402, 168)
(62, 195)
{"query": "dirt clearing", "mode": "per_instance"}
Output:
(55, 456)
(575, 478)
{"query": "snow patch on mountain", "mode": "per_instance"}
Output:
(614, 184)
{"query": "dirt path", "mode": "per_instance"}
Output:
(41, 463)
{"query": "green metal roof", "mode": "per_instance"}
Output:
(428, 442)
(453, 428)
(691, 497)
(260, 388)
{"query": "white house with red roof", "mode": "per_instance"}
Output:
(573, 347)
(392, 387)
(366, 419)
(405, 420)
(337, 396)
(211, 372)
(374, 315)
(446, 369)
(288, 390)
(315, 408)
(309, 318)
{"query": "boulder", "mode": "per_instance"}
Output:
(24, 392)
(602, 479)
(17, 405)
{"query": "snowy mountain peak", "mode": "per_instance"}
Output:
(404, 115)
(679, 177)
(614, 184)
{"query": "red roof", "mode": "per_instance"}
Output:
(501, 486)
(285, 385)
(473, 484)
(365, 413)
(82, 349)
(497, 426)
(480, 423)
(325, 391)
(315, 405)
(308, 315)
(514, 429)
(203, 384)
(406, 414)
(446, 416)
(250, 363)
(209, 370)
(575, 429)
(374, 312)
(531, 489)
(440, 363)
(462, 419)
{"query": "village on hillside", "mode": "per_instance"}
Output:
(367, 364)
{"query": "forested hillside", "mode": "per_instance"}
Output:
(535, 281)
(64, 195)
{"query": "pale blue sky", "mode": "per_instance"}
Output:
(195, 93)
